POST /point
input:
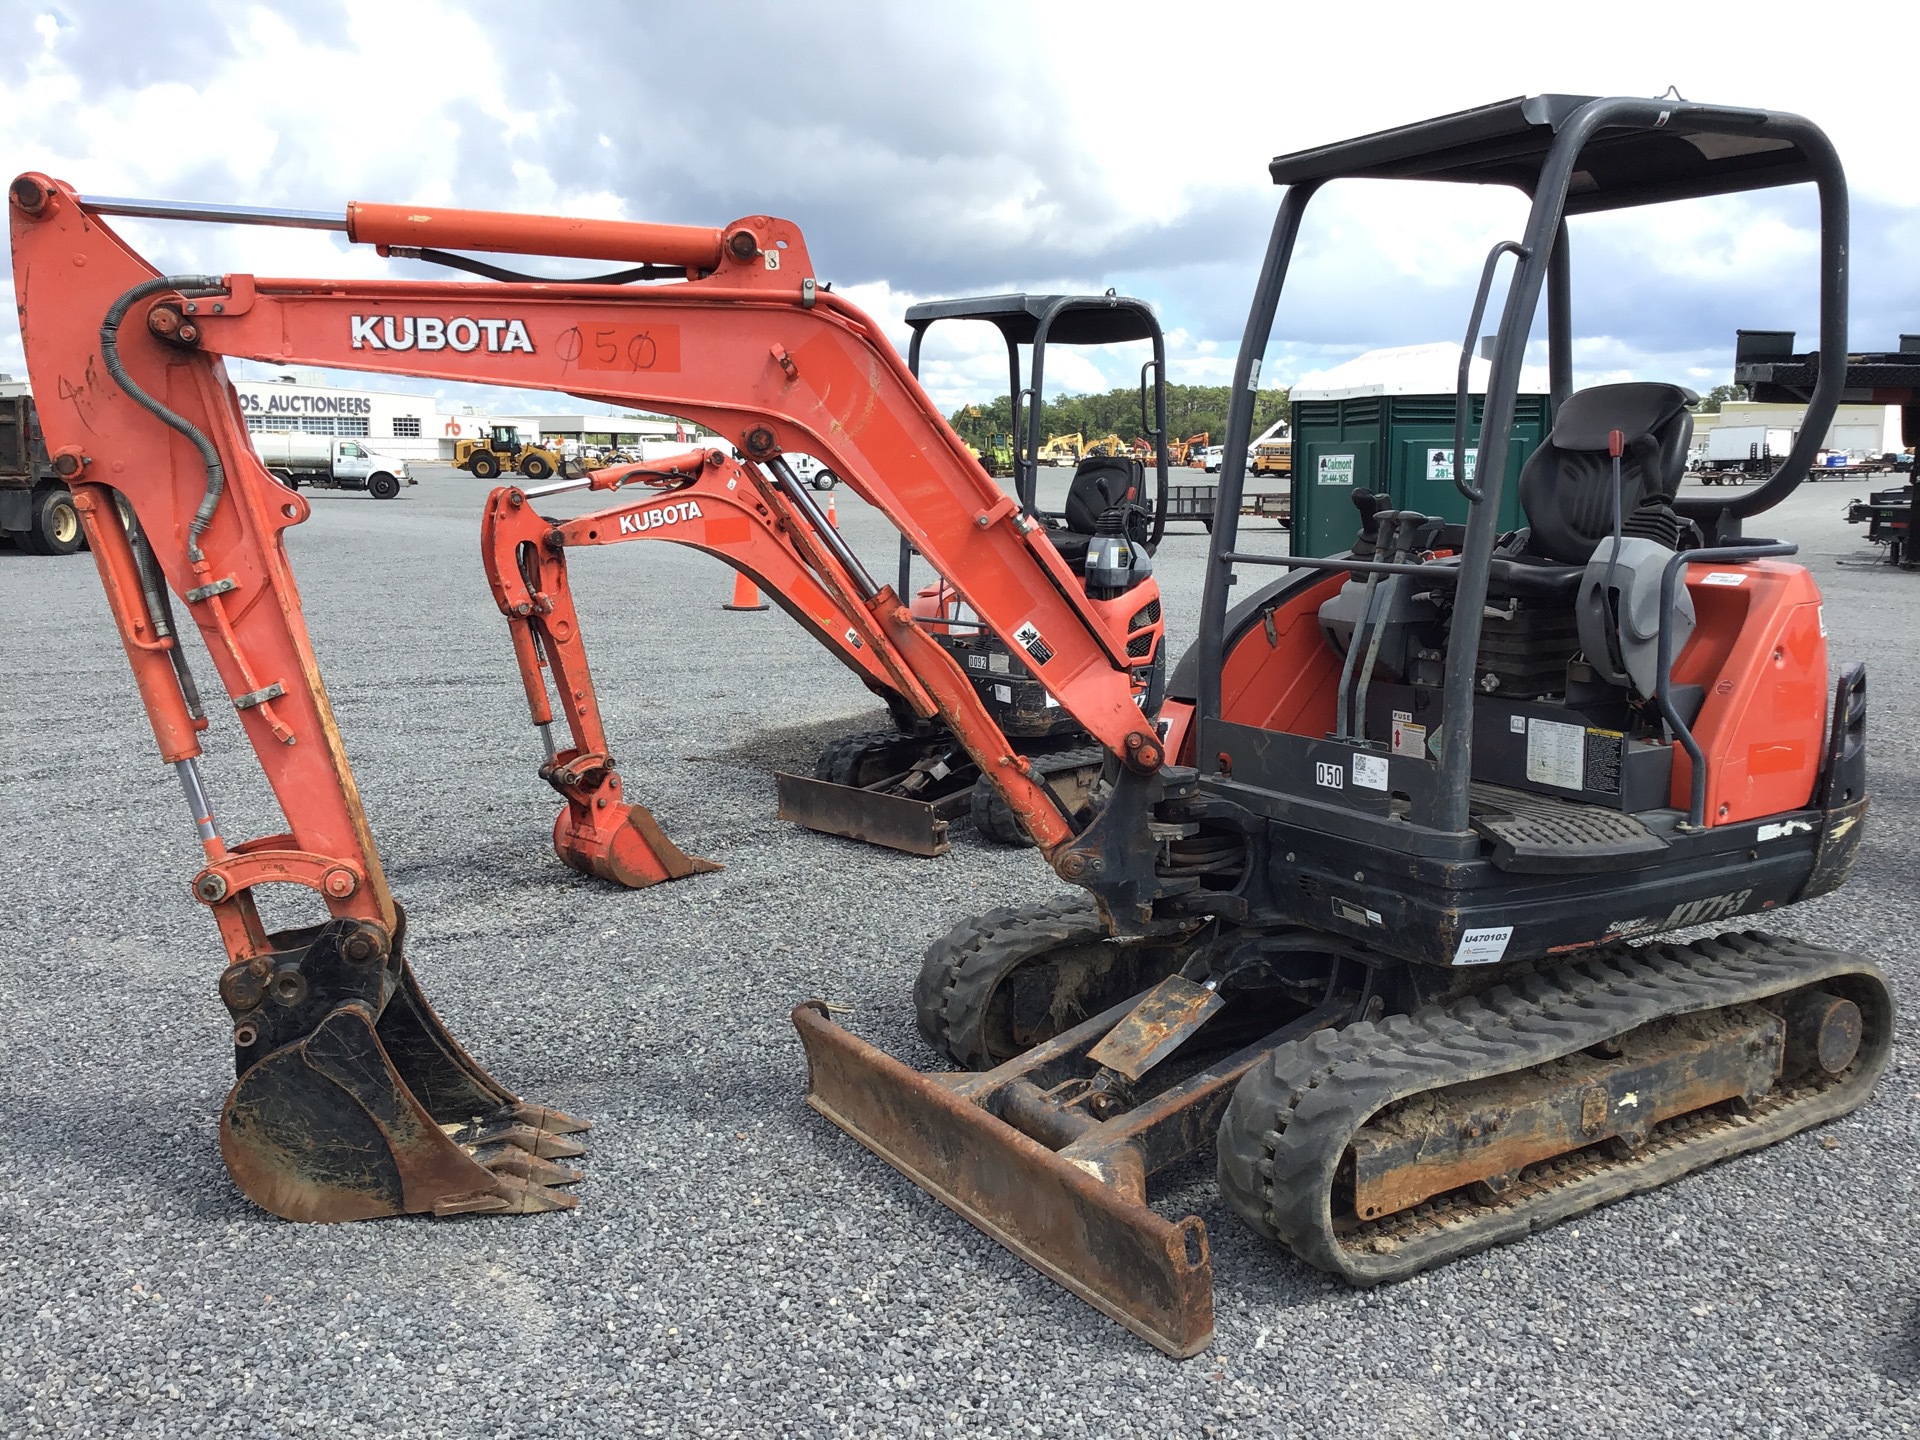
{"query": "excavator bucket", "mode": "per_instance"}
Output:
(624, 844)
(353, 1102)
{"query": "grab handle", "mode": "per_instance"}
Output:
(1462, 401)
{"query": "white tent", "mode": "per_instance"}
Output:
(1431, 369)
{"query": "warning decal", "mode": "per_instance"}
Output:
(1027, 637)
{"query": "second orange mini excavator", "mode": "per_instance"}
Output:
(898, 787)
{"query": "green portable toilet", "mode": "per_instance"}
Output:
(1384, 422)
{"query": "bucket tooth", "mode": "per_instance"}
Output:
(504, 1128)
(506, 1196)
(349, 1086)
(506, 1159)
(554, 1122)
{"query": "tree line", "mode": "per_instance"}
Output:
(1190, 410)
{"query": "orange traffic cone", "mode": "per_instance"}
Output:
(833, 515)
(745, 596)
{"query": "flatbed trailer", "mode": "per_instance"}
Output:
(1196, 502)
(1892, 518)
(1858, 470)
(1763, 361)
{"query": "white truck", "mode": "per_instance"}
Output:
(812, 472)
(328, 462)
(1733, 452)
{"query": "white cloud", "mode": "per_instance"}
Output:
(1073, 145)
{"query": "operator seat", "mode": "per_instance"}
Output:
(1566, 486)
(1549, 568)
(1100, 482)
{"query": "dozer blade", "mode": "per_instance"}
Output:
(625, 845)
(895, 821)
(1150, 1274)
(338, 1115)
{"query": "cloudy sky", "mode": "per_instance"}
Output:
(930, 150)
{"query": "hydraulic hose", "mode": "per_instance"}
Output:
(160, 615)
(194, 285)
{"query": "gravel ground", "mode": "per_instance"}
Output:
(737, 1266)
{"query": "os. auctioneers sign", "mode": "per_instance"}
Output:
(298, 404)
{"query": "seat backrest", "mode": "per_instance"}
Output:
(1566, 486)
(1101, 482)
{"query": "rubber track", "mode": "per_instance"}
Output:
(840, 759)
(962, 967)
(993, 817)
(1292, 1118)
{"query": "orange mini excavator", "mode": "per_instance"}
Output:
(1384, 937)
(1374, 913)
(352, 1100)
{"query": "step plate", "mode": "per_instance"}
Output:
(1535, 834)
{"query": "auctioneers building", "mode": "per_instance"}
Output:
(421, 427)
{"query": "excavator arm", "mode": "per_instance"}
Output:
(700, 499)
(352, 1100)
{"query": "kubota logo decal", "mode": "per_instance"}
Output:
(430, 332)
(636, 522)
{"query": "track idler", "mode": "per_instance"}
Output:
(353, 1102)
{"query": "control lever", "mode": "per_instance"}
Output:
(1616, 447)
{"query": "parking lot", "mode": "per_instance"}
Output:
(737, 1265)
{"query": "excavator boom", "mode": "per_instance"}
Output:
(352, 1100)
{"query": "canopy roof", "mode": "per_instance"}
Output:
(1696, 150)
(1093, 319)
